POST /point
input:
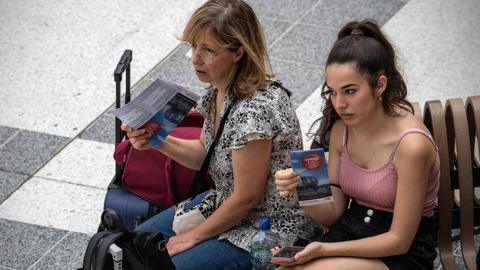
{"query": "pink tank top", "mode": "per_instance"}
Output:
(377, 188)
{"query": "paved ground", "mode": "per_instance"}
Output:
(56, 83)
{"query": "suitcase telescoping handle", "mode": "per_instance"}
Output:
(123, 65)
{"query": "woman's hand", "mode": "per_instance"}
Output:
(138, 138)
(287, 182)
(179, 243)
(310, 252)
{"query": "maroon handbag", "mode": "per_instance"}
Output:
(155, 177)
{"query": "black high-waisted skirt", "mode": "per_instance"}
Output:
(360, 222)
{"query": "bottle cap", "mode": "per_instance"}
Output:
(264, 224)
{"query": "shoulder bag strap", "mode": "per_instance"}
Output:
(199, 179)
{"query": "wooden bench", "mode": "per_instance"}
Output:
(456, 131)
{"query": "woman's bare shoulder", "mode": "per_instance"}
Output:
(406, 121)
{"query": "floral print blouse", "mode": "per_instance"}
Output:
(267, 113)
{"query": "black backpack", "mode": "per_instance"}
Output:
(115, 248)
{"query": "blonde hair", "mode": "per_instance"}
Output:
(234, 25)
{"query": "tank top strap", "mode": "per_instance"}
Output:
(406, 132)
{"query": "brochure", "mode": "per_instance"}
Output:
(159, 109)
(312, 168)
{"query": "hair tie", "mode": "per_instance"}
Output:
(357, 32)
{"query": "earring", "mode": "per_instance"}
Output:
(379, 98)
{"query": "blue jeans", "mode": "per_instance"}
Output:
(213, 253)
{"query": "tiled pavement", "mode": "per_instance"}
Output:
(56, 63)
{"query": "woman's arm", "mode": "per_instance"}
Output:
(414, 159)
(251, 165)
(189, 153)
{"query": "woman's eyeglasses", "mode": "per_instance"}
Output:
(205, 53)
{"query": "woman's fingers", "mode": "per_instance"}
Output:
(140, 133)
(285, 174)
(125, 128)
(283, 177)
(138, 138)
(275, 250)
(132, 133)
(288, 186)
(136, 141)
(286, 182)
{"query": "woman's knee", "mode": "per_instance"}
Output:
(162, 222)
(213, 254)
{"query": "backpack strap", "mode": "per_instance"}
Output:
(102, 249)
(91, 248)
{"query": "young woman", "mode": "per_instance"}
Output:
(229, 53)
(380, 156)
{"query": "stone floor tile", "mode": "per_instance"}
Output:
(82, 162)
(300, 78)
(273, 29)
(102, 130)
(335, 13)
(282, 9)
(9, 182)
(305, 44)
(6, 133)
(435, 54)
(28, 150)
(67, 254)
(22, 244)
(55, 204)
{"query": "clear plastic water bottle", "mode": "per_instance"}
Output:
(262, 243)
